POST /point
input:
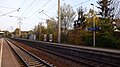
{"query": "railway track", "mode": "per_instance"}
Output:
(89, 62)
(88, 56)
(28, 58)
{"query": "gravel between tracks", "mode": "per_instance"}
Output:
(56, 60)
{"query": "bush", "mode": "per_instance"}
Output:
(88, 40)
(75, 37)
(118, 43)
(106, 41)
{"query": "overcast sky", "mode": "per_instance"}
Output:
(29, 11)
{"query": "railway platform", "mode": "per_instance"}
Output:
(7, 58)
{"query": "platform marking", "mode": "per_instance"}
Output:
(1, 52)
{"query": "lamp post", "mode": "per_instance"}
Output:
(93, 26)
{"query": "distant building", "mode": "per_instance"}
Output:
(1, 34)
(32, 37)
(24, 34)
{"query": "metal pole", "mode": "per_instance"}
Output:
(59, 24)
(39, 30)
(93, 27)
(11, 28)
(19, 28)
(20, 21)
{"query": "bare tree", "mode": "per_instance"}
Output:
(105, 8)
(116, 11)
(67, 17)
(79, 23)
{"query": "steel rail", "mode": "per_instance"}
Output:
(28, 58)
(87, 55)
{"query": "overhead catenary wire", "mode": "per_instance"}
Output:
(51, 8)
(7, 7)
(28, 7)
(73, 6)
(41, 7)
(45, 14)
(23, 3)
(81, 3)
(9, 12)
(35, 5)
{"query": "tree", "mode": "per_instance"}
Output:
(67, 17)
(115, 4)
(16, 32)
(51, 26)
(105, 8)
(39, 31)
(6, 33)
(80, 22)
(106, 13)
(89, 19)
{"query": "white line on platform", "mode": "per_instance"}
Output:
(1, 52)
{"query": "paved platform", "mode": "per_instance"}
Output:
(7, 58)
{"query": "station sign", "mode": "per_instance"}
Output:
(94, 28)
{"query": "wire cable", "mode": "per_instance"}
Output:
(41, 7)
(51, 8)
(9, 12)
(35, 5)
(23, 3)
(28, 7)
(7, 7)
(81, 3)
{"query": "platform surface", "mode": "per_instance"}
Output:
(7, 58)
